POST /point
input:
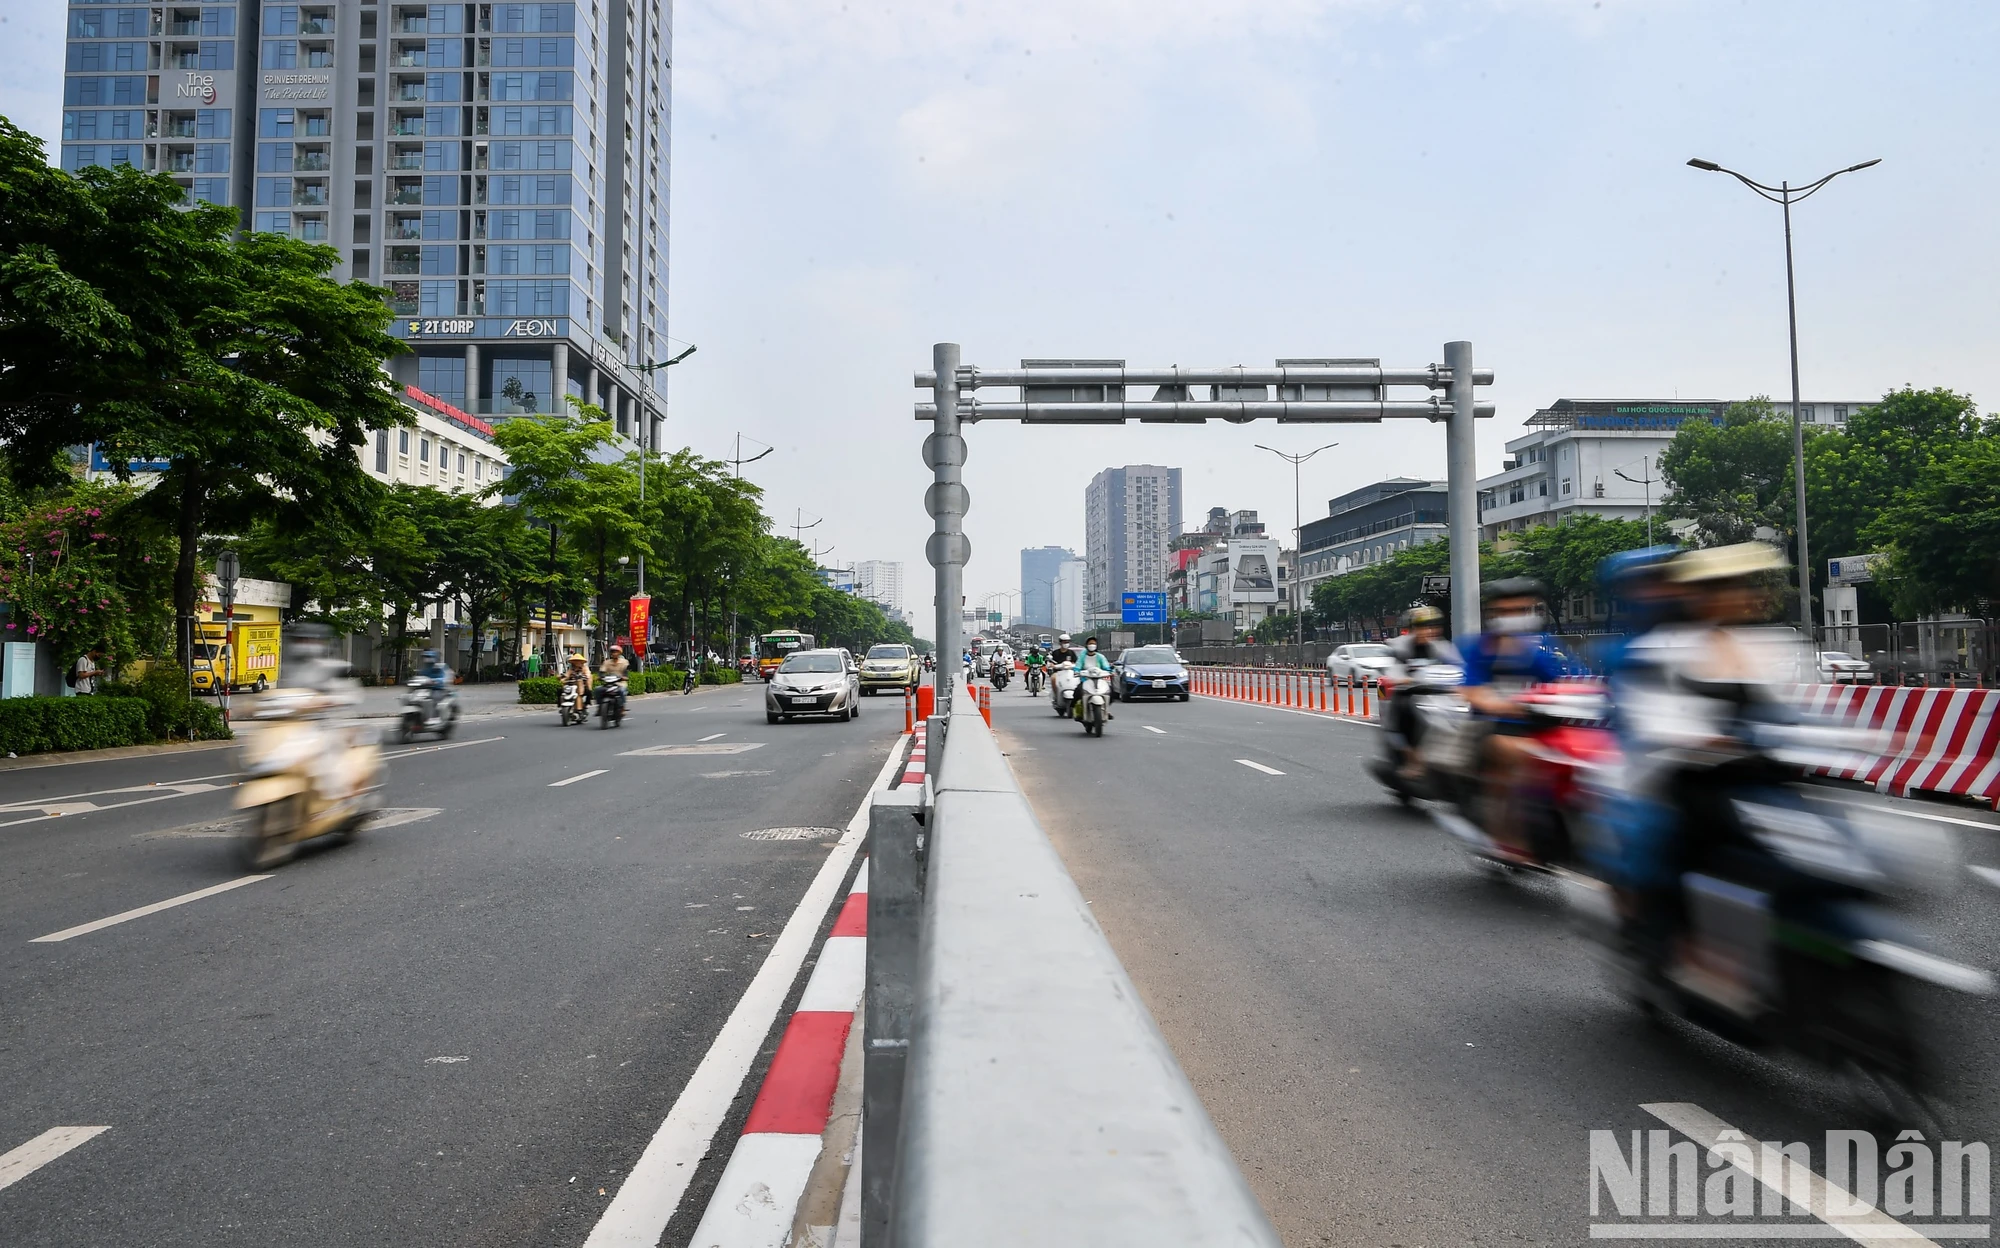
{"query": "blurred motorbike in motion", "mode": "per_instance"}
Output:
(308, 773)
(429, 706)
(1780, 916)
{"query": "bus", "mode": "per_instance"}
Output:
(772, 648)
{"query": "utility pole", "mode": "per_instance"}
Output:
(1298, 536)
(799, 527)
(645, 443)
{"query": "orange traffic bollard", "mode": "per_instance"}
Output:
(909, 712)
(986, 704)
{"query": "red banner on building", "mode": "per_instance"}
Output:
(642, 620)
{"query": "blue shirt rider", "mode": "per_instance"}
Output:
(1513, 653)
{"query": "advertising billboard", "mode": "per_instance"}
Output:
(1253, 570)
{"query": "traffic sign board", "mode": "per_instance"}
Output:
(1142, 608)
(1437, 585)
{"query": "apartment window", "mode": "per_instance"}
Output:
(1806, 413)
(281, 54)
(382, 451)
(402, 441)
(461, 463)
(424, 450)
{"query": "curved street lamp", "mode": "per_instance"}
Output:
(1784, 194)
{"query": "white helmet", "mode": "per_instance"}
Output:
(1063, 638)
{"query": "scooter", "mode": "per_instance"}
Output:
(611, 702)
(1781, 927)
(428, 707)
(1569, 739)
(1035, 681)
(1093, 703)
(999, 674)
(1410, 704)
(1062, 687)
(306, 776)
(570, 707)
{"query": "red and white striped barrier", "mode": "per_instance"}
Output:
(1290, 688)
(758, 1194)
(1939, 740)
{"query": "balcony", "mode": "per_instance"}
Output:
(316, 25)
(403, 260)
(178, 128)
(178, 162)
(402, 229)
(318, 58)
(406, 160)
(184, 58)
(310, 162)
(408, 93)
(409, 126)
(184, 26)
(309, 195)
(406, 192)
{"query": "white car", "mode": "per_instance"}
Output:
(1842, 668)
(1361, 663)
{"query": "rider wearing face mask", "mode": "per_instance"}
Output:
(1090, 663)
(1512, 654)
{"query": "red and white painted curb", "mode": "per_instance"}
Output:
(913, 769)
(1935, 740)
(758, 1196)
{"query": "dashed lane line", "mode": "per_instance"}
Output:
(1150, 728)
(713, 736)
(17, 1164)
(584, 776)
(1254, 766)
(98, 925)
(446, 745)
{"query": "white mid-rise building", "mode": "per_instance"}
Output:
(449, 449)
(1131, 516)
(1070, 594)
(1602, 457)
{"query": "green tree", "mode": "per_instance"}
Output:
(1566, 556)
(550, 457)
(1942, 533)
(78, 575)
(1733, 478)
(1856, 474)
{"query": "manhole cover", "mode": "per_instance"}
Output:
(790, 834)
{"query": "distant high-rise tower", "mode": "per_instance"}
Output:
(880, 581)
(500, 168)
(1131, 516)
(1040, 566)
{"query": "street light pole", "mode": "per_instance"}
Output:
(1646, 479)
(1298, 536)
(645, 450)
(1785, 195)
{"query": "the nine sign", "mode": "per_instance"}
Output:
(1142, 608)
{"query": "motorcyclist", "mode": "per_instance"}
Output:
(1037, 664)
(1423, 644)
(1062, 653)
(1090, 664)
(433, 670)
(1513, 653)
(578, 673)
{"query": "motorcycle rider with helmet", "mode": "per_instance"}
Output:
(1422, 645)
(1088, 666)
(1513, 653)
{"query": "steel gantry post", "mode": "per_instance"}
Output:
(1462, 492)
(947, 502)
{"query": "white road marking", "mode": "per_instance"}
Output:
(75, 803)
(99, 925)
(652, 1193)
(1990, 874)
(713, 736)
(1150, 728)
(1871, 1229)
(585, 776)
(448, 745)
(716, 747)
(21, 1162)
(1269, 771)
(1902, 809)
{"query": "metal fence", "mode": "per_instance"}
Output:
(1927, 652)
(1016, 1091)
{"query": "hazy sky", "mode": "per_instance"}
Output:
(1231, 181)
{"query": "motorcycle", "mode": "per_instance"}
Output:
(1780, 926)
(611, 703)
(428, 706)
(306, 776)
(1093, 703)
(570, 708)
(1410, 704)
(1569, 739)
(1036, 679)
(999, 674)
(1062, 687)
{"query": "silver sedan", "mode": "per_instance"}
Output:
(814, 682)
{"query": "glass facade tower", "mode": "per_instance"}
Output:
(500, 168)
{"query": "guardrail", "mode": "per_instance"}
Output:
(1016, 1091)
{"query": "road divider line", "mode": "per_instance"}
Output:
(86, 929)
(713, 736)
(449, 745)
(1269, 771)
(19, 1163)
(652, 1192)
(573, 779)
(1796, 1183)
(1150, 728)
(1990, 874)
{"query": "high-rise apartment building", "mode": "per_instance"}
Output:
(1131, 516)
(1040, 567)
(500, 168)
(880, 581)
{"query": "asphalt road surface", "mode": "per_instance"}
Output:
(1401, 1049)
(460, 1029)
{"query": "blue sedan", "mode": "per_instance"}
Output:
(1149, 672)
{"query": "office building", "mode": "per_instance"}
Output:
(1071, 588)
(1601, 457)
(880, 581)
(449, 448)
(1040, 566)
(500, 168)
(1131, 516)
(1369, 525)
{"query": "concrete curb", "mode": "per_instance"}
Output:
(777, 1159)
(54, 759)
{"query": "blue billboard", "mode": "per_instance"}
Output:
(1142, 608)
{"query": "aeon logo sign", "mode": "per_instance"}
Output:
(197, 87)
(531, 329)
